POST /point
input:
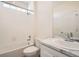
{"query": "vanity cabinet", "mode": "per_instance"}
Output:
(49, 52)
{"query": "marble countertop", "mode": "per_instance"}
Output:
(52, 43)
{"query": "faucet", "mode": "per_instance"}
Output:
(28, 40)
(68, 37)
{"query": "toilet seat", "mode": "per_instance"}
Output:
(32, 50)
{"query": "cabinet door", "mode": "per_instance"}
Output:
(48, 52)
(45, 53)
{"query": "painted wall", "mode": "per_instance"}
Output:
(44, 15)
(15, 26)
(66, 16)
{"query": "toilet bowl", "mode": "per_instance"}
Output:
(31, 51)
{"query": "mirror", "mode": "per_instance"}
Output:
(66, 18)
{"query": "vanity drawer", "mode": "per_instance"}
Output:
(48, 52)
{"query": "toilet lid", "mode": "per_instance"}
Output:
(31, 49)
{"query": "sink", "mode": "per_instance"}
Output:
(62, 44)
(67, 44)
(75, 39)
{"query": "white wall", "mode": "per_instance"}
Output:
(44, 15)
(15, 26)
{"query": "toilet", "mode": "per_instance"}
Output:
(31, 51)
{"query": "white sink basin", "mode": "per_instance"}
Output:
(75, 38)
(62, 44)
(67, 44)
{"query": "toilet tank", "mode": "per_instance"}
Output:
(37, 42)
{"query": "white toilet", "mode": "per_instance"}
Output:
(31, 51)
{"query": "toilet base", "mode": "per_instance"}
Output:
(31, 51)
(37, 55)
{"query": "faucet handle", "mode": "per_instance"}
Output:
(29, 38)
(71, 34)
(68, 35)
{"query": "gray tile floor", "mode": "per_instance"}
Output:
(15, 53)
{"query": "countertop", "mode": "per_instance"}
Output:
(51, 43)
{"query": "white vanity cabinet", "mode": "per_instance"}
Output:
(49, 52)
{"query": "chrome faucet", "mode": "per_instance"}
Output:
(68, 37)
(29, 38)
